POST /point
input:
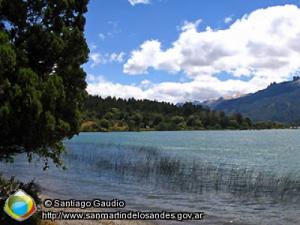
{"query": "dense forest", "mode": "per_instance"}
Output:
(112, 114)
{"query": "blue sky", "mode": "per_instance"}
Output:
(170, 31)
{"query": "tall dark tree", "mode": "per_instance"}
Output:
(42, 84)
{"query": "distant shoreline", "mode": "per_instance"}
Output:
(111, 114)
(145, 130)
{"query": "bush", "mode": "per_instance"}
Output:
(104, 123)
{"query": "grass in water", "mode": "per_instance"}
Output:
(171, 172)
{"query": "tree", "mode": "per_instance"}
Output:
(135, 115)
(194, 122)
(42, 84)
(103, 123)
(157, 119)
(177, 119)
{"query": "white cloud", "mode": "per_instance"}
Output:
(202, 89)
(117, 57)
(190, 25)
(97, 85)
(264, 46)
(228, 19)
(98, 58)
(134, 2)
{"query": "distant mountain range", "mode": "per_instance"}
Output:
(278, 102)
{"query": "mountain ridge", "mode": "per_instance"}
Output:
(279, 102)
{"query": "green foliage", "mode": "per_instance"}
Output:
(42, 84)
(104, 124)
(269, 125)
(113, 114)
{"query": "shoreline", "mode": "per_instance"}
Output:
(145, 130)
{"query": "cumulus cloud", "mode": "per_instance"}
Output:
(263, 45)
(255, 50)
(98, 85)
(134, 2)
(199, 89)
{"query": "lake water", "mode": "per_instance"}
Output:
(235, 177)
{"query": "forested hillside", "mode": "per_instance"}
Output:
(111, 114)
(279, 102)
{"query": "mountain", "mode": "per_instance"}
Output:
(212, 103)
(278, 102)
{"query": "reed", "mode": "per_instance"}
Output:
(168, 170)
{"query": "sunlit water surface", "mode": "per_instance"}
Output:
(235, 177)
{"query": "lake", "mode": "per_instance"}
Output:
(235, 177)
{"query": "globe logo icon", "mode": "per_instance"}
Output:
(20, 206)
